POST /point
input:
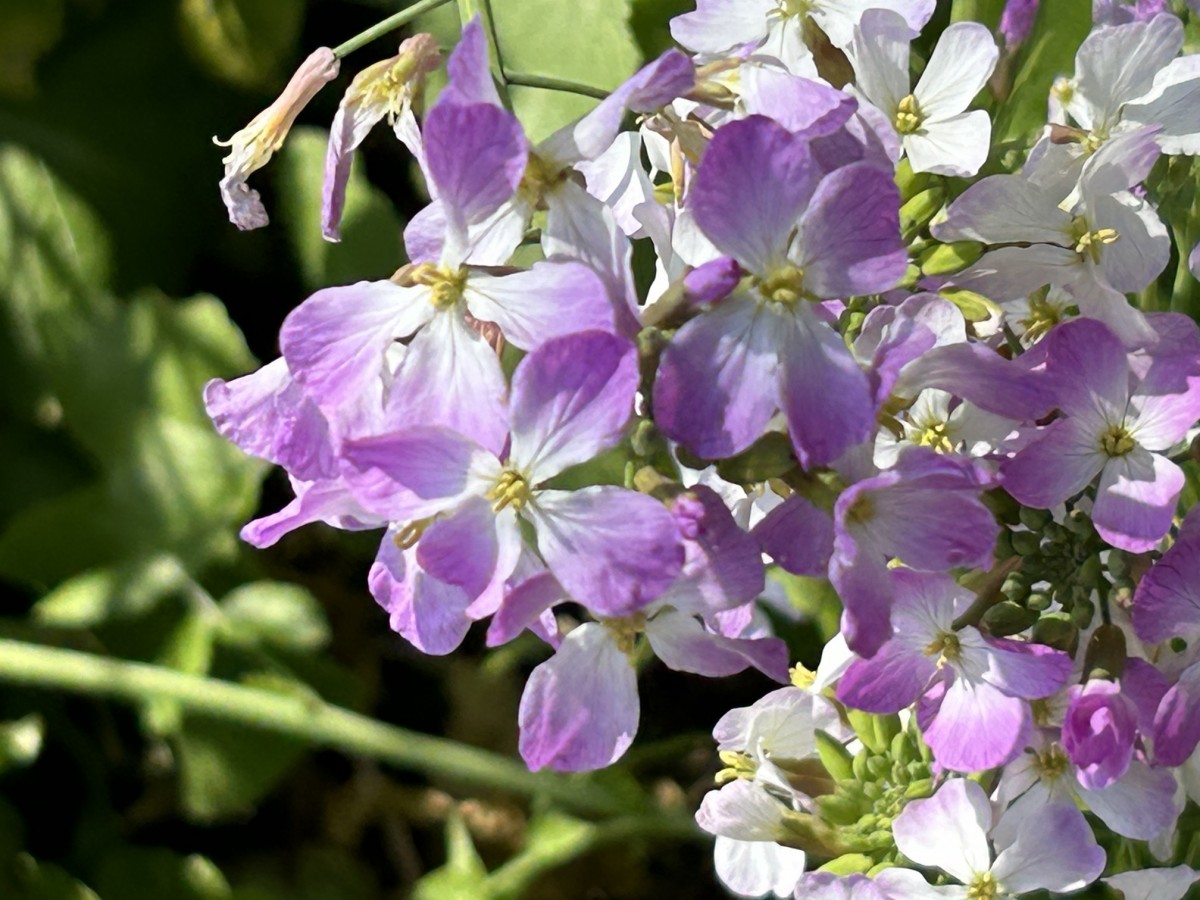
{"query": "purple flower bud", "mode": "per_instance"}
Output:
(1017, 21)
(712, 281)
(1098, 732)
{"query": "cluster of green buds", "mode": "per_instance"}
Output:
(1058, 572)
(871, 788)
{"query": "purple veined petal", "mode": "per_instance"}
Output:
(1145, 685)
(722, 568)
(905, 884)
(948, 831)
(1054, 851)
(1031, 671)
(1167, 602)
(1154, 884)
(1136, 500)
(613, 550)
(1177, 722)
(744, 811)
(959, 67)
(825, 395)
(1143, 249)
(954, 146)
(753, 183)
(335, 341)
(489, 242)
(551, 299)
(978, 727)
(522, 607)
(850, 237)
(653, 86)
(428, 613)
(1010, 273)
(470, 75)
(451, 377)
(462, 548)
(579, 227)
(976, 373)
(713, 393)
(754, 868)
(571, 400)
(1120, 163)
(267, 415)
(719, 25)
(476, 156)
(580, 708)
(422, 471)
(684, 645)
(879, 52)
(1002, 209)
(1059, 464)
(798, 536)
(425, 234)
(1159, 421)
(860, 576)
(1117, 65)
(326, 501)
(888, 681)
(1140, 805)
(803, 106)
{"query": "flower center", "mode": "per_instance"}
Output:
(785, 285)
(935, 435)
(908, 115)
(983, 887)
(1088, 241)
(946, 646)
(511, 489)
(539, 177)
(1043, 315)
(1052, 762)
(446, 285)
(788, 9)
(1117, 441)
(625, 630)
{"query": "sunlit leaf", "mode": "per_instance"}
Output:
(273, 612)
(245, 42)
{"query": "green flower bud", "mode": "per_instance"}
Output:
(834, 756)
(1026, 543)
(768, 457)
(943, 259)
(917, 212)
(1105, 655)
(1035, 519)
(1082, 612)
(848, 864)
(1008, 618)
(875, 736)
(839, 809)
(1056, 630)
(1038, 601)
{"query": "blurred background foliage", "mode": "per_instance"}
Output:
(123, 289)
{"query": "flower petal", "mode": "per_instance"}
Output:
(798, 536)
(684, 645)
(1136, 500)
(948, 831)
(430, 614)
(957, 70)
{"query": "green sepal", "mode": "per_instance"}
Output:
(849, 864)
(974, 307)
(918, 212)
(875, 735)
(1007, 618)
(834, 756)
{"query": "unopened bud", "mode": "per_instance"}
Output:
(944, 259)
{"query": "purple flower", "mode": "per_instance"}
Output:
(1122, 12)
(760, 198)
(1099, 732)
(1117, 426)
(974, 689)
(579, 710)
(462, 505)
(1167, 602)
(1017, 21)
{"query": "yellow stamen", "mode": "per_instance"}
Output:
(784, 285)
(909, 117)
(1117, 441)
(946, 646)
(511, 489)
(447, 285)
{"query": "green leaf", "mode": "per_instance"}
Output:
(244, 42)
(274, 612)
(189, 648)
(112, 592)
(372, 244)
(1048, 53)
(34, 880)
(154, 873)
(225, 768)
(28, 28)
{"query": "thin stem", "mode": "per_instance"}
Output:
(391, 23)
(554, 84)
(307, 718)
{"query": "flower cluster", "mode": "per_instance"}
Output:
(880, 348)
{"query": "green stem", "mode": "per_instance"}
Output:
(391, 23)
(306, 718)
(554, 84)
(1185, 292)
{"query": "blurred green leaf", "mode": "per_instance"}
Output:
(155, 873)
(34, 880)
(28, 28)
(649, 20)
(371, 245)
(1048, 53)
(112, 592)
(274, 612)
(244, 42)
(188, 648)
(226, 768)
